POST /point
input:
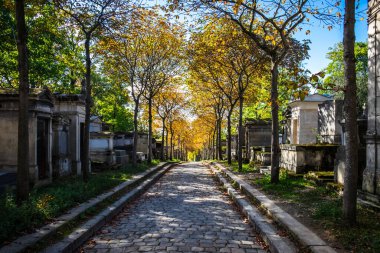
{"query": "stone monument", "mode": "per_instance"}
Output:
(371, 175)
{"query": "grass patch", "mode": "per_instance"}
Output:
(247, 167)
(48, 202)
(324, 205)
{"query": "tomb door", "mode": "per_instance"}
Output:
(43, 148)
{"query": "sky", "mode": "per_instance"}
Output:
(322, 39)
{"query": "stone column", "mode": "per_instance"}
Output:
(371, 175)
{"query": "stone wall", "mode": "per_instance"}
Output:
(304, 158)
(101, 148)
(40, 108)
(73, 107)
(371, 175)
(329, 114)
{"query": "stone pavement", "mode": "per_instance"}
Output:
(183, 212)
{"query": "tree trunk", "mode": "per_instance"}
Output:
(23, 117)
(209, 151)
(150, 130)
(350, 113)
(86, 137)
(229, 157)
(179, 148)
(171, 141)
(214, 144)
(240, 130)
(217, 140)
(167, 144)
(135, 133)
(275, 147)
(163, 140)
(220, 153)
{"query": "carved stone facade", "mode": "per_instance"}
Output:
(371, 175)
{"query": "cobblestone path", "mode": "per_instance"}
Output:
(183, 212)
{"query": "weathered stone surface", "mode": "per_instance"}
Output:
(300, 232)
(183, 212)
(371, 175)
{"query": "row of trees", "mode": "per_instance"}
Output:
(270, 27)
(245, 47)
(118, 52)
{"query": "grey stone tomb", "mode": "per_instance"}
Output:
(40, 133)
(371, 175)
(72, 107)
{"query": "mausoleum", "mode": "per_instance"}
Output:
(40, 133)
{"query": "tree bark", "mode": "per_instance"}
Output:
(209, 152)
(163, 140)
(167, 144)
(275, 149)
(214, 144)
(229, 156)
(240, 130)
(171, 141)
(350, 113)
(23, 117)
(86, 137)
(150, 130)
(135, 132)
(220, 153)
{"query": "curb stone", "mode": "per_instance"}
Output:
(86, 230)
(23, 242)
(300, 232)
(277, 244)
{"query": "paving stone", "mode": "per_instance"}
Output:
(183, 212)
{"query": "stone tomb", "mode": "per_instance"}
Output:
(96, 124)
(40, 133)
(124, 141)
(304, 119)
(101, 148)
(257, 136)
(309, 123)
(61, 149)
(371, 175)
(72, 108)
(330, 115)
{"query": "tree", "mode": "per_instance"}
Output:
(167, 100)
(335, 81)
(161, 62)
(122, 52)
(53, 60)
(23, 118)
(111, 101)
(350, 114)
(221, 58)
(270, 25)
(90, 16)
(208, 100)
